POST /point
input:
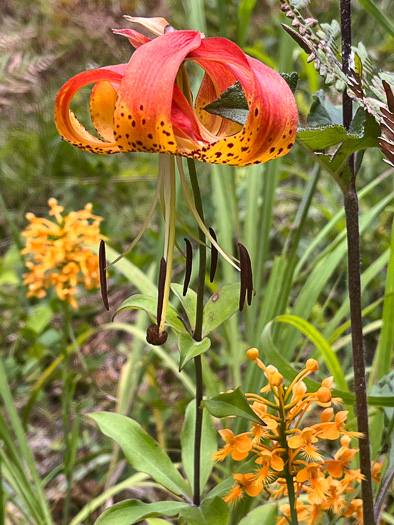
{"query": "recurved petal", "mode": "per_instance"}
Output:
(66, 122)
(102, 104)
(270, 129)
(143, 109)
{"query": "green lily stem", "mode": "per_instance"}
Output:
(354, 280)
(170, 213)
(197, 336)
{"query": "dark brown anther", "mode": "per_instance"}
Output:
(246, 277)
(154, 336)
(160, 296)
(188, 269)
(214, 256)
(103, 275)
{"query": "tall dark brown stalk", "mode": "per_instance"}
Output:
(354, 283)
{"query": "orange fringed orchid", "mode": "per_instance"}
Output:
(146, 105)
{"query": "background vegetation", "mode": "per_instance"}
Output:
(287, 213)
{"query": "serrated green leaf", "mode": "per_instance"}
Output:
(209, 445)
(231, 404)
(222, 305)
(149, 305)
(190, 348)
(292, 80)
(322, 112)
(232, 105)
(211, 512)
(133, 511)
(266, 514)
(188, 301)
(141, 451)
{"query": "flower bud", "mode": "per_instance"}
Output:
(276, 379)
(312, 365)
(252, 354)
(324, 394)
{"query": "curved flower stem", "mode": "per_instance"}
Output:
(353, 241)
(197, 336)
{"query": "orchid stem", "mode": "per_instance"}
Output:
(197, 336)
(354, 279)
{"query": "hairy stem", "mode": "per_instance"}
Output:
(353, 240)
(198, 332)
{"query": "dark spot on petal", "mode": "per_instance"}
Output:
(133, 123)
(141, 107)
(127, 135)
(290, 131)
(122, 114)
(139, 143)
(143, 122)
(129, 117)
(272, 150)
(218, 154)
(150, 136)
(171, 143)
(256, 112)
(280, 150)
(230, 145)
(290, 145)
(284, 136)
(162, 123)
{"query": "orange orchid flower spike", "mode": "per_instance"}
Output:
(139, 106)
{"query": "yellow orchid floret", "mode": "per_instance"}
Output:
(289, 454)
(58, 253)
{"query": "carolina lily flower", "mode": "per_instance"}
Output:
(146, 105)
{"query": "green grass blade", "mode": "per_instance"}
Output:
(244, 13)
(383, 358)
(26, 453)
(195, 12)
(321, 344)
(372, 9)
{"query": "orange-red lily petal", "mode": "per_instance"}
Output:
(141, 106)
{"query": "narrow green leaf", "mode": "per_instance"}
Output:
(244, 13)
(379, 15)
(188, 301)
(136, 480)
(211, 512)
(142, 451)
(149, 305)
(190, 348)
(321, 344)
(266, 514)
(231, 404)
(208, 445)
(133, 511)
(384, 355)
(222, 305)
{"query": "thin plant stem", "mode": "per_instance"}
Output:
(197, 336)
(354, 283)
(287, 474)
